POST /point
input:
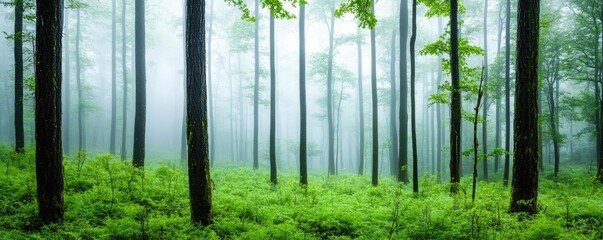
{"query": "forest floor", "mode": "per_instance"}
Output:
(108, 199)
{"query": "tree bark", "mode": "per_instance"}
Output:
(393, 127)
(18, 54)
(198, 147)
(67, 88)
(256, 87)
(360, 108)
(413, 123)
(455, 106)
(49, 156)
(303, 155)
(330, 93)
(78, 73)
(403, 155)
(524, 193)
(140, 113)
(125, 82)
(273, 178)
(485, 96)
(212, 120)
(498, 94)
(507, 94)
(375, 165)
(113, 77)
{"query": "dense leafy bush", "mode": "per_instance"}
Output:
(107, 198)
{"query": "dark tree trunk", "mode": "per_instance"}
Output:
(49, 156)
(393, 127)
(498, 94)
(485, 96)
(413, 117)
(125, 82)
(273, 179)
(18, 54)
(403, 155)
(553, 125)
(480, 94)
(360, 108)
(67, 88)
(256, 86)
(303, 156)
(524, 194)
(375, 169)
(196, 92)
(330, 94)
(141, 82)
(507, 94)
(113, 77)
(78, 73)
(455, 106)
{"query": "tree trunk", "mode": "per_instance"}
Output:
(67, 88)
(403, 155)
(553, 125)
(198, 161)
(330, 94)
(440, 128)
(413, 123)
(303, 155)
(485, 96)
(113, 77)
(480, 94)
(140, 114)
(375, 165)
(273, 179)
(360, 108)
(80, 101)
(18, 54)
(498, 100)
(507, 94)
(49, 156)
(455, 106)
(600, 114)
(125, 82)
(212, 135)
(256, 87)
(393, 129)
(524, 193)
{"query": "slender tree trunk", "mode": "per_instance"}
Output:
(140, 114)
(212, 118)
(403, 155)
(480, 94)
(303, 155)
(242, 129)
(256, 87)
(80, 101)
(273, 179)
(524, 193)
(498, 94)
(507, 94)
(113, 77)
(125, 82)
(375, 165)
(198, 161)
(440, 128)
(553, 123)
(455, 106)
(330, 93)
(393, 132)
(413, 123)
(49, 156)
(18, 54)
(67, 88)
(485, 96)
(183, 143)
(360, 107)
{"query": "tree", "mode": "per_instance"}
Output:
(78, 73)
(303, 154)
(212, 139)
(49, 155)
(524, 193)
(67, 86)
(507, 94)
(485, 96)
(360, 107)
(125, 81)
(18, 54)
(455, 106)
(113, 77)
(375, 169)
(393, 127)
(413, 124)
(403, 155)
(196, 96)
(140, 113)
(273, 179)
(256, 86)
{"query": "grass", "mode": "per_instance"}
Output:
(108, 199)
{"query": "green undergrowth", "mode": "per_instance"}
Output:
(108, 199)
